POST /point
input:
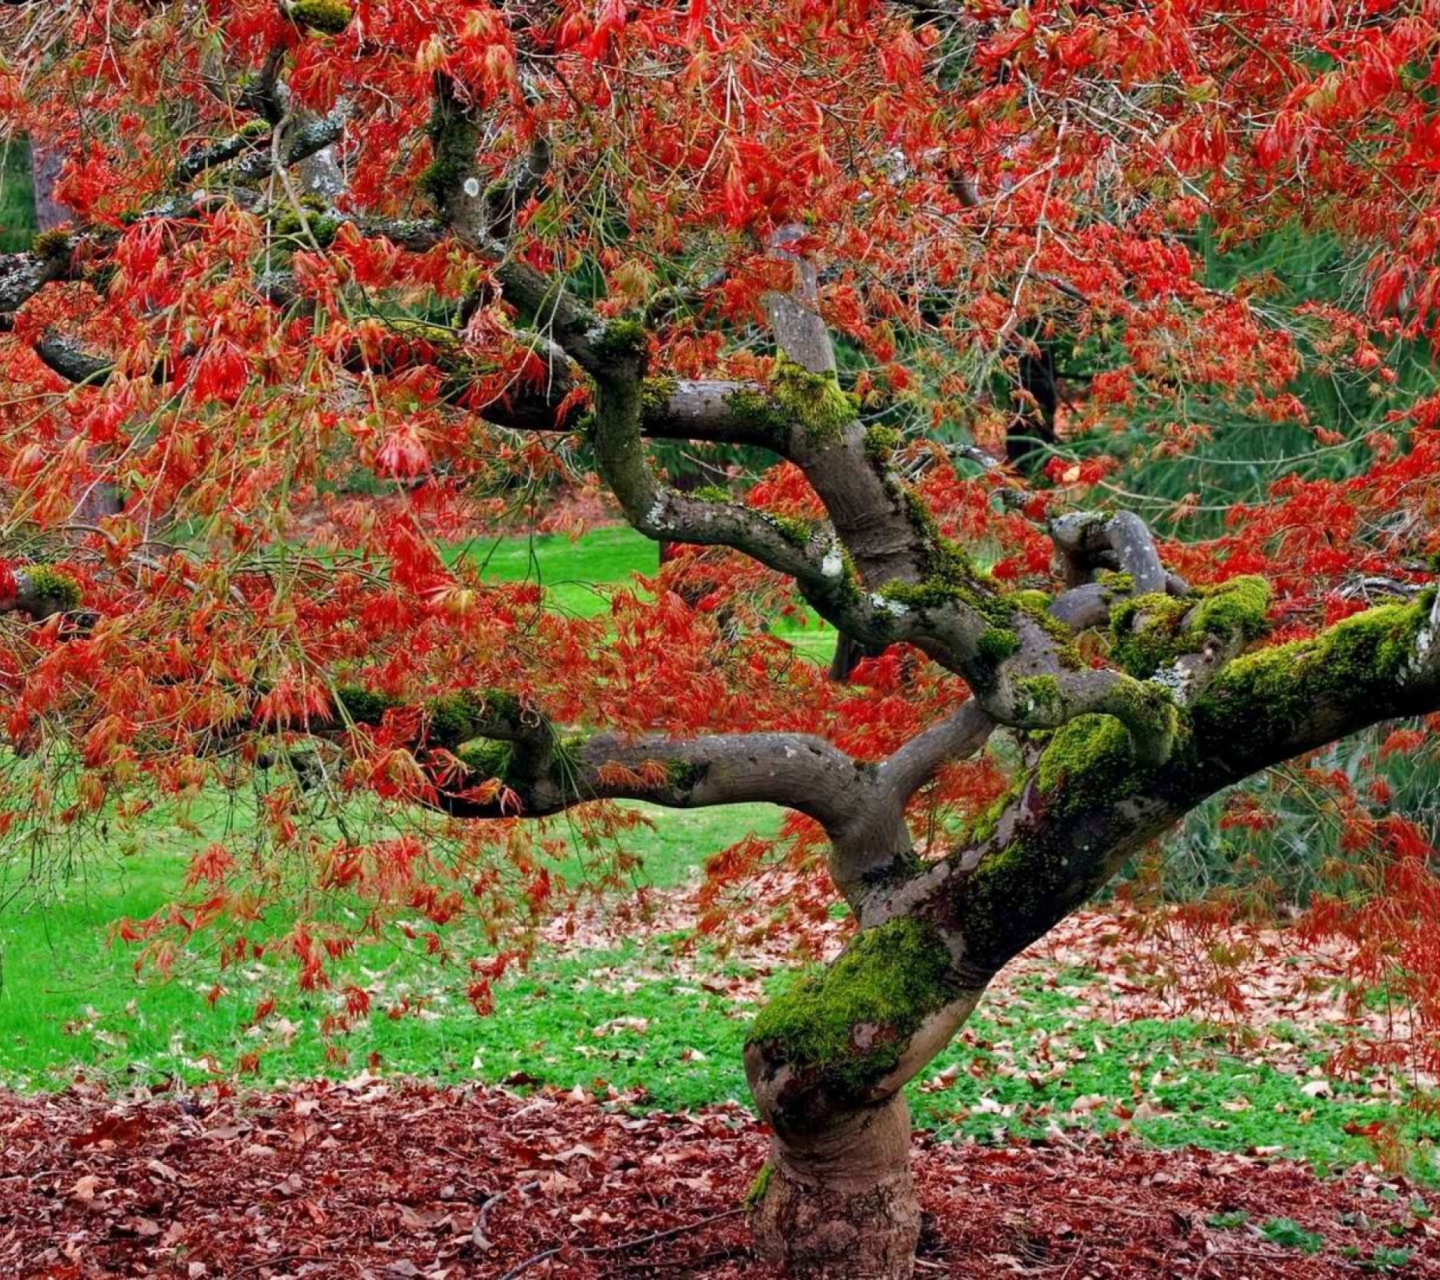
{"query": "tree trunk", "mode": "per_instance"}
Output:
(841, 1202)
(44, 173)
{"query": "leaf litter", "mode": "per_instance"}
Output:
(376, 1179)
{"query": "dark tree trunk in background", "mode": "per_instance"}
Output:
(849, 654)
(1031, 433)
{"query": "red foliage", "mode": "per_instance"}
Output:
(1054, 186)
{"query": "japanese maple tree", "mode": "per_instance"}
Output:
(466, 249)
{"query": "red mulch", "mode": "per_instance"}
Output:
(368, 1179)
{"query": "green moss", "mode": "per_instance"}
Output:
(1149, 712)
(328, 16)
(951, 586)
(254, 129)
(454, 138)
(1358, 663)
(53, 246)
(997, 644)
(682, 775)
(1240, 607)
(362, 706)
(760, 1186)
(758, 412)
(59, 591)
(1119, 583)
(984, 825)
(1036, 606)
(924, 521)
(621, 339)
(488, 759)
(797, 531)
(455, 718)
(711, 493)
(1040, 873)
(1144, 632)
(1041, 695)
(1092, 757)
(881, 443)
(324, 227)
(813, 400)
(655, 395)
(846, 1026)
(1151, 631)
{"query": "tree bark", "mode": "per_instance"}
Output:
(841, 1202)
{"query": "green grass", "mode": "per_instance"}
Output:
(577, 575)
(70, 997)
(17, 197)
(635, 1018)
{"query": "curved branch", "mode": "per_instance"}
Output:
(793, 770)
(954, 738)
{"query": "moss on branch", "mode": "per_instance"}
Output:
(813, 400)
(622, 340)
(487, 759)
(1150, 631)
(881, 444)
(1361, 663)
(49, 591)
(1020, 888)
(456, 718)
(362, 706)
(330, 17)
(454, 138)
(55, 246)
(795, 398)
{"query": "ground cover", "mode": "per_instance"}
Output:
(367, 1179)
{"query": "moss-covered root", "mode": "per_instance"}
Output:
(840, 1031)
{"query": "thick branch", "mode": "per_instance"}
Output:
(300, 141)
(850, 1037)
(65, 356)
(792, 770)
(23, 275)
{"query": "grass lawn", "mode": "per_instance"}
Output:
(575, 574)
(17, 197)
(647, 1015)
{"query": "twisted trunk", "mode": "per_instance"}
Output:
(840, 1201)
(826, 1062)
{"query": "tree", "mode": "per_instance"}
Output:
(446, 245)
